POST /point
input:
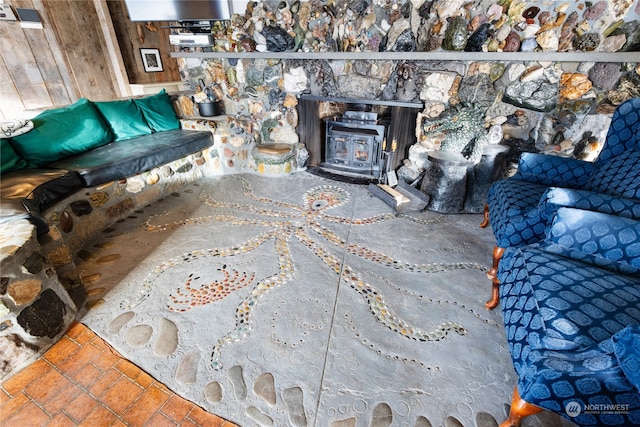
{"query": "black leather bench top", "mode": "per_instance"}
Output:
(122, 159)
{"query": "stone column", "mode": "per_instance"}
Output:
(481, 175)
(445, 181)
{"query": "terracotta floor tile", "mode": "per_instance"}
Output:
(4, 397)
(48, 386)
(80, 407)
(159, 420)
(145, 380)
(99, 417)
(177, 408)
(76, 329)
(80, 333)
(62, 399)
(28, 416)
(150, 402)
(64, 348)
(83, 356)
(128, 368)
(104, 382)
(14, 405)
(204, 418)
(61, 420)
(188, 423)
(20, 380)
(119, 423)
(87, 375)
(107, 359)
(120, 395)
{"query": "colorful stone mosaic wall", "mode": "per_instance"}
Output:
(428, 25)
(532, 105)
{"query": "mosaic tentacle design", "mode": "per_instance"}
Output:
(302, 223)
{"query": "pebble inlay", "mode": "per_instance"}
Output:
(301, 222)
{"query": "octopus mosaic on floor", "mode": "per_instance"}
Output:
(306, 302)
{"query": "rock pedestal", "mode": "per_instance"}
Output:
(445, 181)
(480, 176)
(35, 308)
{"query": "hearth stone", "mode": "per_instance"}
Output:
(445, 181)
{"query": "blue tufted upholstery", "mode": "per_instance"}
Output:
(571, 308)
(568, 278)
(513, 208)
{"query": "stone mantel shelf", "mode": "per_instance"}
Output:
(426, 56)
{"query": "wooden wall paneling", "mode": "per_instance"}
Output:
(11, 105)
(22, 66)
(75, 25)
(112, 47)
(57, 55)
(130, 44)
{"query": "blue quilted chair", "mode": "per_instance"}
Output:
(518, 207)
(571, 308)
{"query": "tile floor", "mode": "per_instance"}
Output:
(82, 381)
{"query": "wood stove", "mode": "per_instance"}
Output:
(354, 145)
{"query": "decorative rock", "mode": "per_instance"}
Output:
(477, 39)
(455, 36)
(477, 89)
(295, 80)
(45, 317)
(24, 291)
(98, 199)
(14, 352)
(436, 87)
(529, 45)
(587, 42)
(496, 71)
(277, 39)
(537, 95)
(631, 31)
(66, 222)
(548, 41)
(595, 11)
(81, 207)
(406, 42)
(605, 75)
(357, 86)
(135, 184)
(574, 85)
(512, 42)
(613, 43)
(153, 179)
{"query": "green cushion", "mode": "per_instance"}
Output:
(9, 159)
(123, 118)
(158, 112)
(61, 133)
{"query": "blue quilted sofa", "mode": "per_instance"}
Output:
(567, 275)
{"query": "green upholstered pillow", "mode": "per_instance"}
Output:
(61, 133)
(158, 112)
(123, 118)
(9, 159)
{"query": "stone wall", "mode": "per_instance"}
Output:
(548, 106)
